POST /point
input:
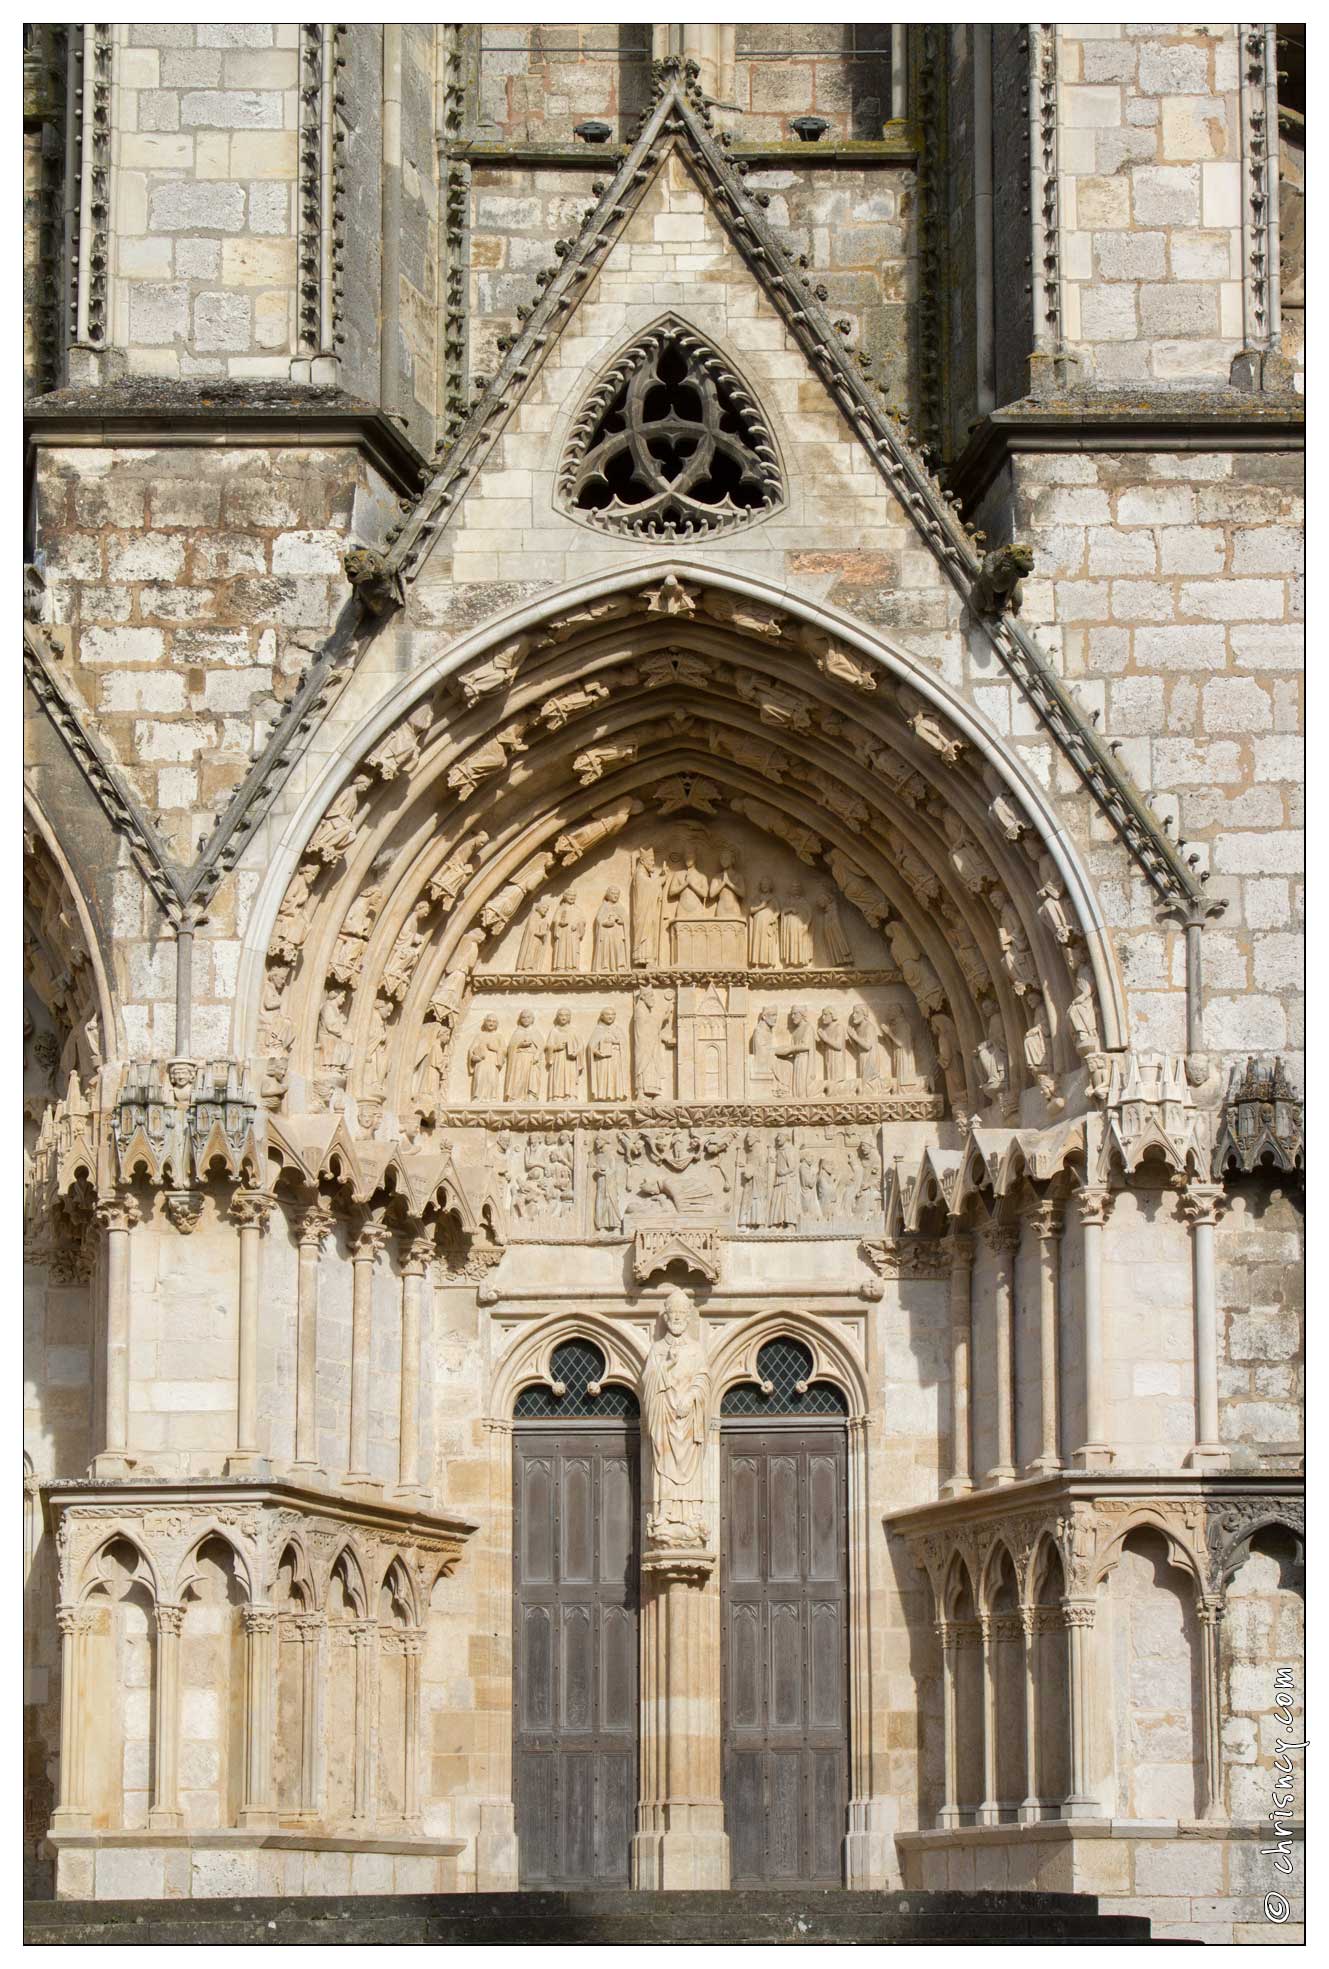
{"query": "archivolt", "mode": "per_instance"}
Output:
(685, 693)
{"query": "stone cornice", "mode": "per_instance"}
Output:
(200, 1494)
(1105, 420)
(1090, 1487)
(219, 417)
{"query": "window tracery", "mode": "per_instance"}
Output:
(670, 445)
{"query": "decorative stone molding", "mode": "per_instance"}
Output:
(1261, 1124)
(693, 1246)
(909, 1257)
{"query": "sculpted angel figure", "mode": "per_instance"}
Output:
(764, 929)
(676, 1387)
(609, 946)
(563, 1058)
(339, 826)
(609, 1081)
(485, 1061)
(521, 1079)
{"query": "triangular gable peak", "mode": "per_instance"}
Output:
(679, 125)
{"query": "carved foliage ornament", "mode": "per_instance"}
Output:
(670, 444)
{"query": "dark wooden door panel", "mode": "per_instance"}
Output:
(575, 1641)
(785, 1668)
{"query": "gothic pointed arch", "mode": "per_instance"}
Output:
(670, 443)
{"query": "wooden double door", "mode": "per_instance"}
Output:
(575, 1643)
(785, 1647)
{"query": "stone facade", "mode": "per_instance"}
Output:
(679, 742)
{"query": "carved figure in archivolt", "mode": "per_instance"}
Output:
(522, 1078)
(276, 1032)
(336, 832)
(596, 760)
(687, 790)
(486, 760)
(588, 834)
(537, 936)
(456, 872)
(399, 752)
(563, 1058)
(485, 1061)
(652, 1032)
(675, 667)
(795, 931)
(499, 911)
(402, 959)
(918, 973)
(1082, 1012)
(676, 1387)
(569, 933)
(605, 1056)
(835, 944)
(764, 929)
(805, 844)
(950, 1059)
(993, 1058)
(1052, 904)
(609, 945)
(333, 1050)
(557, 710)
(451, 994)
(292, 925)
(647, 899)
(495, 673)
(377, 1041)
(349, 950)
(866, 897)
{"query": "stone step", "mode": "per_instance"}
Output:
(607, 1918)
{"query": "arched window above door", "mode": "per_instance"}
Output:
(576, 1390)
(785, 1386)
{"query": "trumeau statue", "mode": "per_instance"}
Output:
(676, 1386)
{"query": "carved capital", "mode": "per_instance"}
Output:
(313, 1223)
(118, 1213)
(369, 1241)
(260, 1620)
(1001, 1238)
(170, 1619)
(1079, 1613)
(1093, 1205)
(693, 1568)
(1047, 1221)
(1203, 1203)
(184, 1208)
(250, 1209)
(960, 1250)
(416, 1254)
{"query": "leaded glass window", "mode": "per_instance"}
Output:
(577, 1367)
(785, 1386)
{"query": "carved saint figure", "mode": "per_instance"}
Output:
(349, 949)
(557, 710)
(609, 1082)
(650, 1036)
(339, 826)
(764, 929)
(609, 948)
(588, 834)
(485, 761)
(447, 1000)
(563, 1058)
(753, 1182)
(784, 1212)
(276, 1032)
(569, 930)
(292, 925)
(949, 1058)
(900, 1043)
(607, 1182)
(376, 1052)
(676, 1400)
(1082, 1012)
(832, 1047)
(992, 1057)
(647, 902)
(334, 1047)
(835, 944)
(795, 931)
(765, 1070)
(797, 1052)
(431, 1068)
(447, 885)
(919, 974)
(726, 895)
(862, 1039)
(521, 1081)
(485, 1061)
(688, 890)
(533, 954)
